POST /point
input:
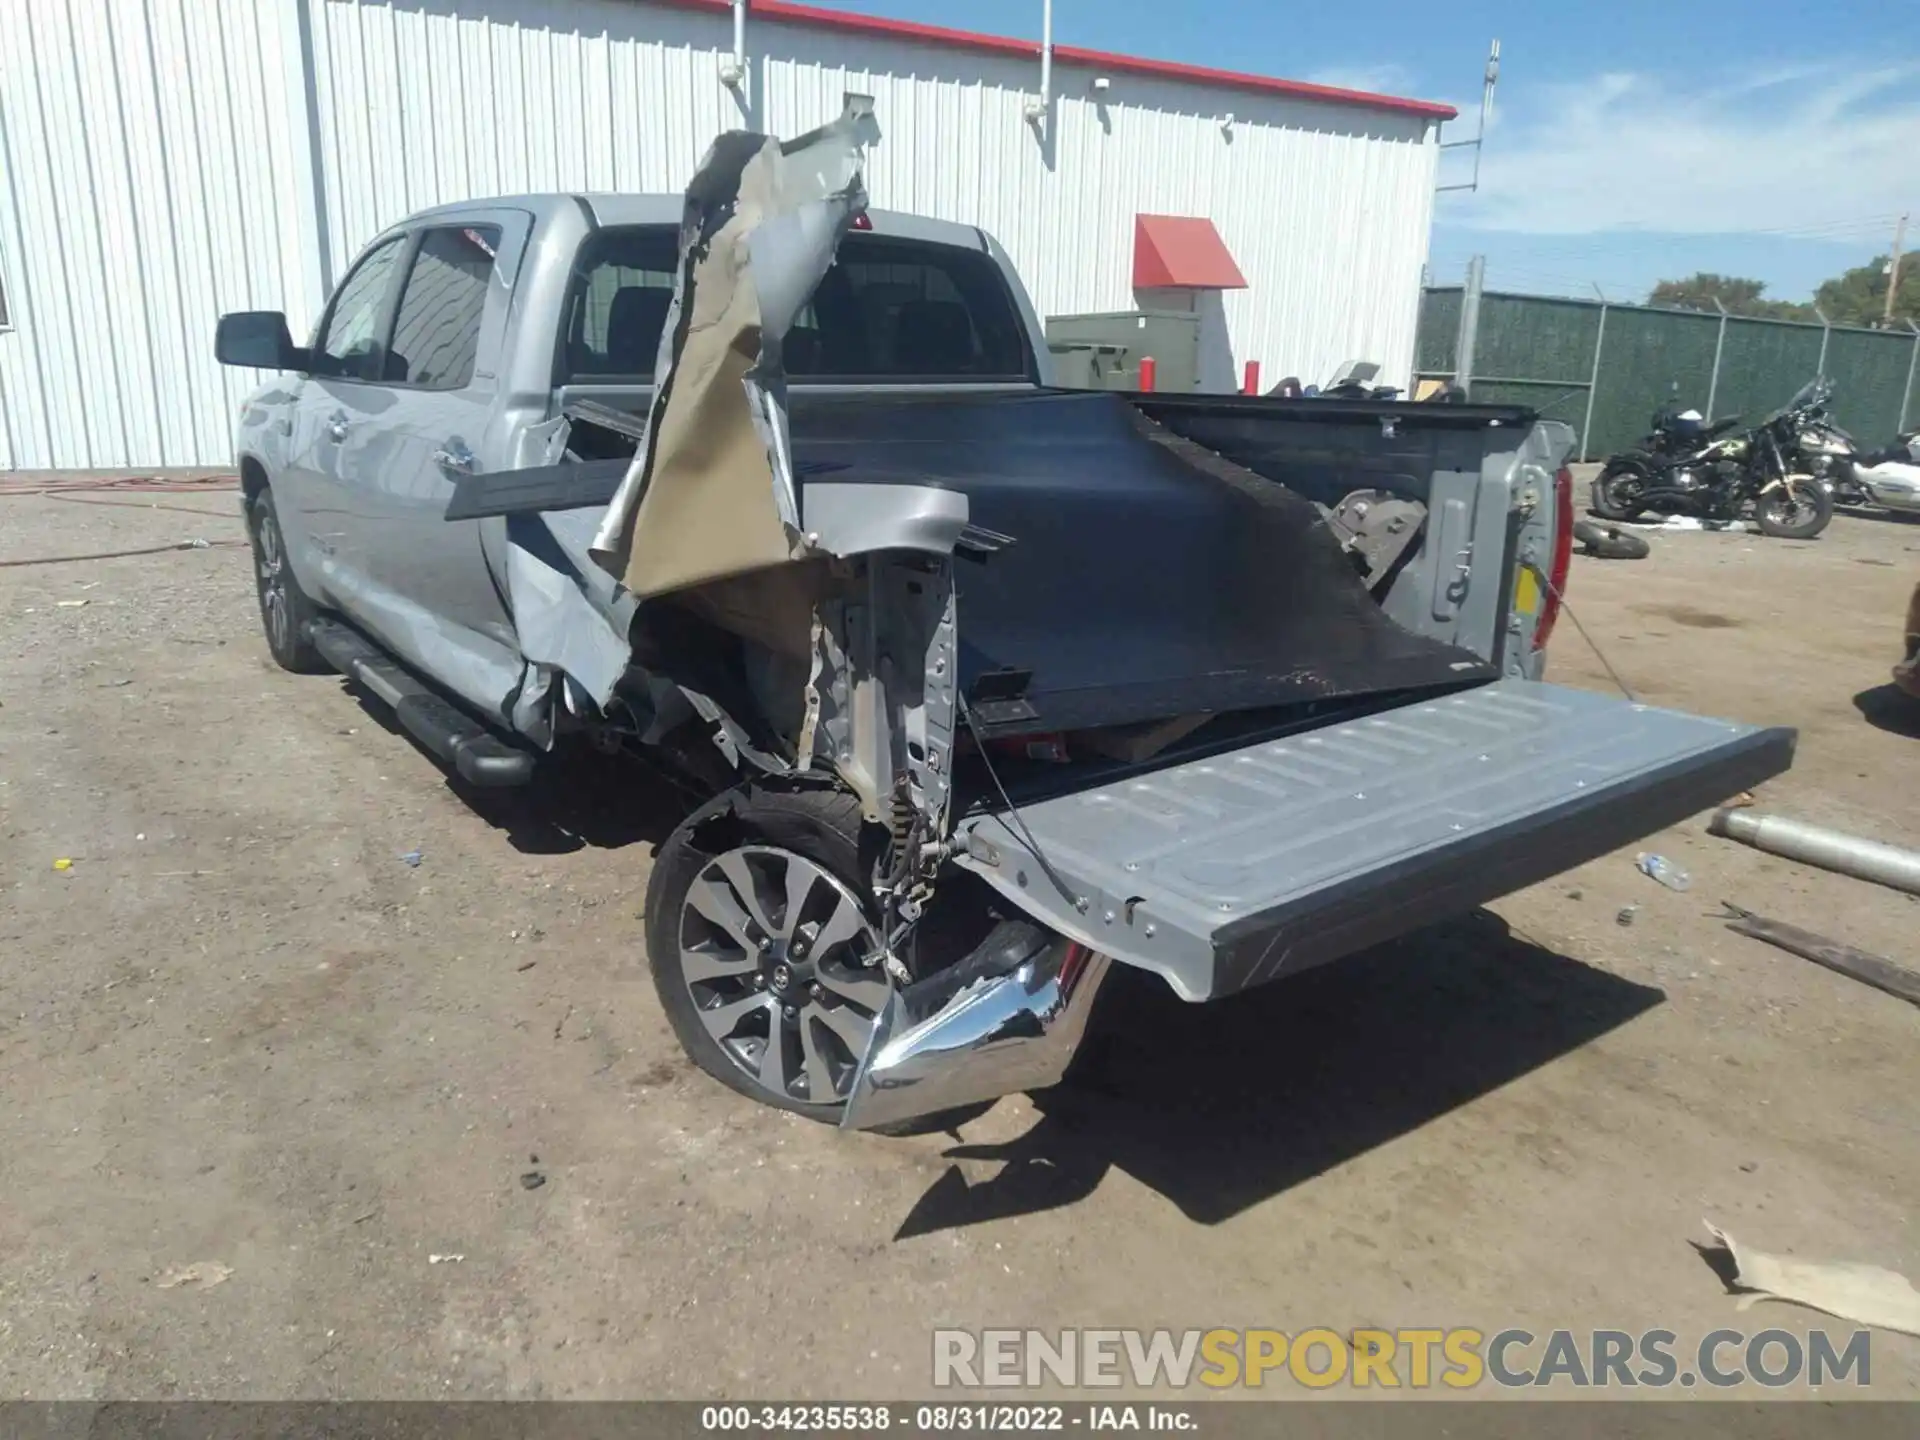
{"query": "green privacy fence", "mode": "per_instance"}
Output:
(1605, 368)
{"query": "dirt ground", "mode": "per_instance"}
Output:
(239, 1029)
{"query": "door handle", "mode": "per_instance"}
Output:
(337, 425)
(454, 455)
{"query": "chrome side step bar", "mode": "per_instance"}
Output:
(479, 755)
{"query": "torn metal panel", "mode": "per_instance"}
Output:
(711, 493)
(882, 692)
(566, 613)
(852, 520)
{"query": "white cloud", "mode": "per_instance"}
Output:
(1808, 150)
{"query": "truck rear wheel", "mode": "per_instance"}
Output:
(758, 930)
(285, 611)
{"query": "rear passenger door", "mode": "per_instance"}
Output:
(431, 593)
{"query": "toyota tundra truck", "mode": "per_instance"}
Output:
(975, 686)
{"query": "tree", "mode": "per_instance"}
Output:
(1740, 296)
(1859, 297)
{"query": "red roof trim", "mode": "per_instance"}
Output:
(1070, 55)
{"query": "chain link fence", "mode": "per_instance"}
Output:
(1605, 368)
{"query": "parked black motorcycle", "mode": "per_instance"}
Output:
(1829, 454)
(1687, 466)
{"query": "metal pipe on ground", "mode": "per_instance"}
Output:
(1861, 965)
(1816, 845)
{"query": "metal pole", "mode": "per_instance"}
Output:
(1037, 105)
(309, 171)
(1826, 333)
(733, 68)
(1593, 380)
(1488, 79)
(1469, 333)
(1913, 363)
(1046, 53)
(1817, 845)
(1719, 347)
(1893, 271)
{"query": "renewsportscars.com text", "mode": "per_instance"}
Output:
(1413, 1359)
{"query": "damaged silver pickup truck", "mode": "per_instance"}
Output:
(979, 685)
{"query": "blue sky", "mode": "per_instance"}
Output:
(1632, 140)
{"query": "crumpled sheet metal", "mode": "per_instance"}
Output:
(570, 618)
(567, 614)
(711, 493)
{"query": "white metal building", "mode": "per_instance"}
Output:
(164, 161)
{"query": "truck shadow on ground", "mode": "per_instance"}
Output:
(581, 799)
(1220, 1106)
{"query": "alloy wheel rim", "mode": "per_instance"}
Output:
(773, 952)
(1789, 509)
(270, 560)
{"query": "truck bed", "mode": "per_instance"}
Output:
(1149, 575)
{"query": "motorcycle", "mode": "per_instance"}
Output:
(1905, 450)
(1891, 476)
(1354, 381)
(1689, 466)
(1832, 456)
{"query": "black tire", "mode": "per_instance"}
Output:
(1617, 488)
(819, 825)
(1794, 513)
(1604, 542)
(286, 614)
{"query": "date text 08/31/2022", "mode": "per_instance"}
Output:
(935, 1419)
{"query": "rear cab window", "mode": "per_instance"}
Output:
(888, 311)
(436, 333)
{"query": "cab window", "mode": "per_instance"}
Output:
(349, 345)
(436, 333)
(887, 310)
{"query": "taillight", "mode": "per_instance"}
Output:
(1562, 557)
(862, 220)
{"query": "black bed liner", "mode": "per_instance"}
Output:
(1149, 575)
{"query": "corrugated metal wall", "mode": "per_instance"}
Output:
(201, 198)
(147, 170)
(1326, 208)
(1539, 350)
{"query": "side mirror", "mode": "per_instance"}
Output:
(257, 338)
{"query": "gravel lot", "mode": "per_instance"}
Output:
(240, 1030)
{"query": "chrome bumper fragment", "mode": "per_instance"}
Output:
(1008, 1019)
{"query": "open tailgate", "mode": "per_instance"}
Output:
(1229, 871)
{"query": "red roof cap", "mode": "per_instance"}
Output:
(1183, 251)
(1072, 55)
